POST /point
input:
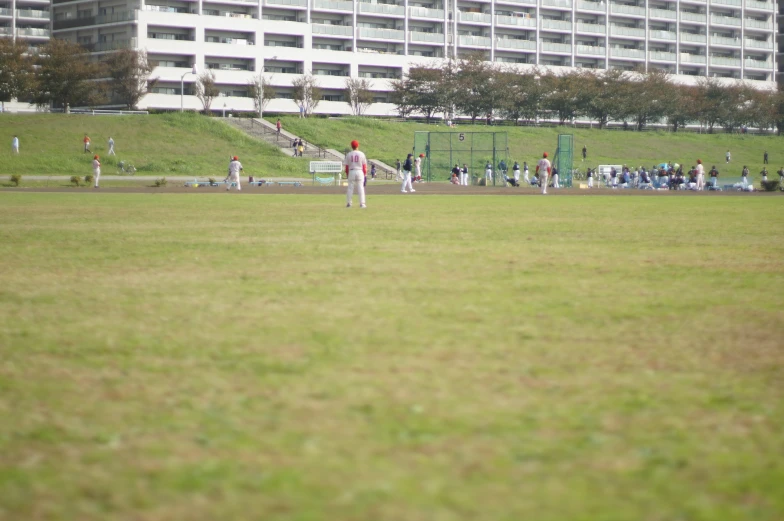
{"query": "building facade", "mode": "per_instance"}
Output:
(26, 20)
(380, 39)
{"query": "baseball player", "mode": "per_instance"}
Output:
(418, 168)
(86, 142)
(464, 175)
(589, 174)
(543, 170)
(525, 173)
(235, 167)
(96, 170)
(516, 173)
(488, 173)
(700, 175)
(407, 166)
(15, 145)
(356, 170)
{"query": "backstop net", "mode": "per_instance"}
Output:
(474, 149)
(563, 159)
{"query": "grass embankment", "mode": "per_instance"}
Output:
(202, 357)
(389, 141)
(158, 145)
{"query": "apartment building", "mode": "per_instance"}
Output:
(381, 39)
(25, 19)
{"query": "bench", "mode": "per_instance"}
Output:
(324, 181)
(288, 183)
(335, 168)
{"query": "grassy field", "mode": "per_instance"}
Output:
(389, 141)
(159, 145)
(206, 357)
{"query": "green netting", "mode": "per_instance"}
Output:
(474, 149)
(563, 159)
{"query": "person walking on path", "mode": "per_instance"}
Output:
(543, 171)
(235, 167)
(96, 170)
(356, 170)
(111, 147)
(300, 148)
(765, 158)
(86, 142)
(585, 152)
(277, 126)
(407, 166)
(727, 156)
(15, 145)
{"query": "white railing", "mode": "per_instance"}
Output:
(424, 12)
(475, 17)
(590, 49)
(5, 12)
(366, 7)
(662, 56)
(663, 35)
(519, 21)
(298, 3)
(416, 36)
(627, 31)
(557, 3)
(692, 58)
(30, 31)
(557, 47)
(724, 61)
(475, 41)
(753, 4)
(663, 13)
(627, 9)
(758, 24)
(336, 5)
(725, 20)
(5, 30)
(510, 43)
(590, 6)
(335, 30)
(689, 37)
(616, 52)
(728, 2)
(723, 40)
(27, 13)
(693, 17)
(526, 2)
(759, 44)
(591, 28)
(381, 34)
(758, 64)
(558, 25)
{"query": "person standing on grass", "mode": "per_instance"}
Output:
(765, 158)
(585, 152)
(111, 147)
(781, 176)
(488, 172)
(356, 170)
(714, 177)
(525, 172)
(554, 172)
(86, 142)
(96, 170)
(589, 176)
(516, 173)
(418, 168)
(235, 167)
(745, 175)
(543, 171)
(15, 145)
(407, 166)
(464, 175)
(727, 156)
(700, 175)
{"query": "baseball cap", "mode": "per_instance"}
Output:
(95, 157)
(355, 144)
(421, 155)
(544, 155)
(235, 158)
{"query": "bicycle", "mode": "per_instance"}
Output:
(124, 168)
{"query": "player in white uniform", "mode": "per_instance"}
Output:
(235, 167)
(543, 169)
(96, 170)
(464, 176)
(700, 175)
(356, 170)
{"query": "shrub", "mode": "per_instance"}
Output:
(76, 180)
(16, 179)
(88, 179)
(160, 182)
(212, 181)
(770, 186)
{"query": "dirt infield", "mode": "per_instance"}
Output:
(384, 189)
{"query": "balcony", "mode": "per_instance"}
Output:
(6, 30)
(293, 3)
(725, 20)
(754, 4)
(591, 50)
(395, 10)
(333, 30)
(381, 34)
(723, 40)
(758, 24)
(689, 37)
(617, 52)
(517, 21)
(512, 43)
(591, 28)
(556, 25)
(474, 41)
(758, 44)
(663, 35)
(424, 12)
(635, 32)
(563, 48)
(627, 9)
(582, 5)
(564, 4)
(28, 13)
(522, 2)
(112, 46)
(662, 56)
(30, 31)
(758, 64)
(278, 43)
(692, 58)
(721, 61)
(475, 17)
(663, 14)
(416, 36)
(733, 3)
(693, 17)
(333, 5)
(6, 12)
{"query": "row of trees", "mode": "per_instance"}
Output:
(474, 88)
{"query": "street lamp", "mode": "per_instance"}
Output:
(193, 71)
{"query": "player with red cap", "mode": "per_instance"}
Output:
(235, 167)
(356, 169)
(700, 175)
(96, 170)
(543, 169)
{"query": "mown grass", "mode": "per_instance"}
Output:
(212, 357)
(389, 141)
(157, 145)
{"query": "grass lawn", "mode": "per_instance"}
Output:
(210, 357)
(159, 145)
(389, 141)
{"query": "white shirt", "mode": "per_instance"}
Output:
(355, 160)
(543, 166)
(96, 165)
(15, 142)
(700, 169)
(111, 142)
(417, 165)
(234, 168)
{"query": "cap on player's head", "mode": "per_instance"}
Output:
(235, 158)
(699, 161)
(421, 155)
(544, 155)
(355, 144)
(95, 157)
(410, 155)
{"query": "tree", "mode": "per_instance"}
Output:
(307, 93)
(603, 102)
(358, 94)
(66, 76)
(520, 94)
(130, 71)
(419, 92)
(648, 96)
(206, 90)
(711, 102)
(260, 89)
(476, 94)
(16, 69)
(565, 95)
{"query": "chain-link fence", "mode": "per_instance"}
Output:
(443, 150)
